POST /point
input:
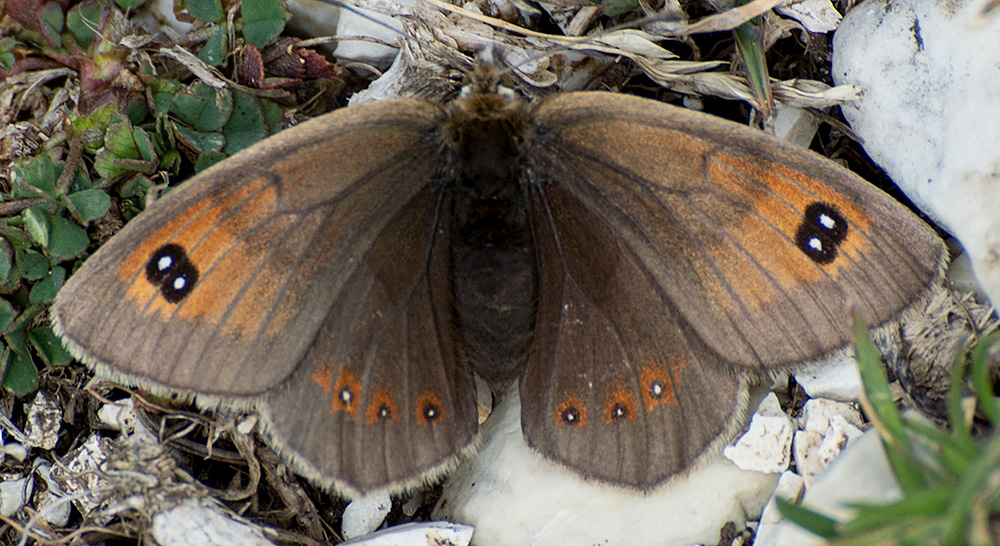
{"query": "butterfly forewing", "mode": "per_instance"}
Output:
(762, 248)
(242, 264)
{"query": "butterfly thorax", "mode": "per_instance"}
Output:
(495, 278)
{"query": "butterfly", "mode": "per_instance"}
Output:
(632, 265)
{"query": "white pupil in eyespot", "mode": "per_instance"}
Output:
(657, 389)
(816, 244)
(179, 283)
(164, 263)
(826, 221)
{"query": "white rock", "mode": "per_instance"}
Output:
(123, 417)
(817, 16)
(55, 510)
(200, 522)
(796, 125)
(790, 487)
(53, 505)
(837, 378)
(840, 434)
(386, 29)
(929, 113)
(804, 447)
(817, 412)
(76, 475)
(363, 515)
(860, 474)
(44, 421)
(514, 496)
(14, 493)
(418, 534)
(766, 445)
(814, 451)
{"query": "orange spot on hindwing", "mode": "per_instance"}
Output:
(323, 376)
(429, 409)
(620, 406)
(382, 407)
(657, 387)
(571, 412)
(347, 392)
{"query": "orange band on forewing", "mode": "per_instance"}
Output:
(185, 229)
(228, 264)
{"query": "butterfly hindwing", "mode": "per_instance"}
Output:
(381, 398)
(617, 386)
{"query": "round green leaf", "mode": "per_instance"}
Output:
(36, 222)
(91, 204)
(7, 314)
(246, 124)
(22, 377)
(68, 240)
(264, 21)
(46, 289)
(205, 10)
(49, 347)
(33, 265)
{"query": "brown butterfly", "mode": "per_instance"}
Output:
(631, 263)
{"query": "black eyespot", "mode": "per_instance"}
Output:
(172, 272)
(571, 412)
(619, 412)
(429, 409)
(570, 416)
(822, 230)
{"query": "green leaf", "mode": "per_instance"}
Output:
(246, 124)
(126, 150)
(208, 159)
(274, 118)
(16, 337)
(205, 10)
(164, 91)
(614, 8)
(137, 185)
(213, 53)
(49, 347)
(22, 377)
(68, 240)
(981, 378)
(82, 20)
(750, 44)
(814, 522)
(5, 260)
(129, 4)
(264, 21)
(39, 178)
(137, 112)
(205, 108)
(32, 264)
(50, 20)
(201, 142)
(46, 289)
(90, 204)
(37, 223)
(886, 416)
(7, 314)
